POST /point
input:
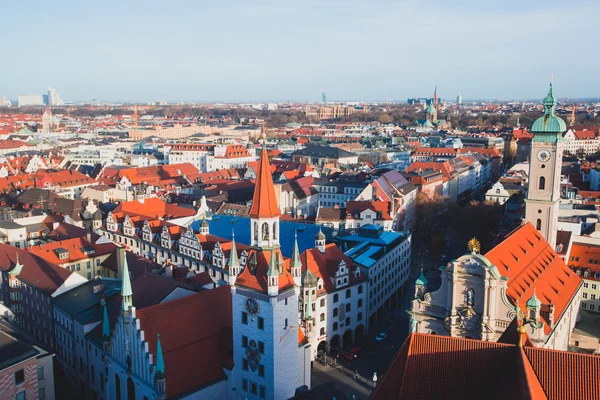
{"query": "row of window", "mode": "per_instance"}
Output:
(591, 307)
(253, 388)
(592, 297)
(260, 324)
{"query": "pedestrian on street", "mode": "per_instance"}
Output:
(356, 375)
(375, 379)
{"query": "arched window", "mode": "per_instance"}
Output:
(265, 231)
(322, 332)
(256, 231)
(130, 389)
(359, 316)
(335, 326)
(348, 307)
(274, 230)
(538, 224)
(322, 317)
(335, 312)
(348, 293)
(322, 302)
(359, 302)
(118, 387)
(542, 183)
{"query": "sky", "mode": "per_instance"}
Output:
(279, 50)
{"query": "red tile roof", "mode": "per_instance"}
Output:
(149, 175)
(257, 279)
(585, 258)
(434, 367)
(529, 263)
(325, 265)
(37, 272)
(264, 202)
(195, 331)
(153, 207)
(356, 207)
(75, 248)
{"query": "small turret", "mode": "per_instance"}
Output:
(320, 241)
(421, 285)
(159, 376)
(273, 276)
(204, 230)
(308, 314)
(234, 263)
(296, 263)
(16, 270)
(533, 308)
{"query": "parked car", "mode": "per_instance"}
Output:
(381, 337)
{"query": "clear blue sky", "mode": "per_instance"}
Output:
(233, 50)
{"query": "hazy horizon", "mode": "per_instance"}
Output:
(233, 51)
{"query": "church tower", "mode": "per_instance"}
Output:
(264, 213)
(269, 361)
(545, 161)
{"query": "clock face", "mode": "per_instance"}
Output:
(251, 306)
(543, 155)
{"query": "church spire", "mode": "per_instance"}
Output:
(264, 202)
(296, 263)
(105, 325)
(273, 276)
(159, 376)
(234, 262)
(126, 291)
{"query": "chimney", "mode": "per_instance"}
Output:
(121, 254)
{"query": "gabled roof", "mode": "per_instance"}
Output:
(153, 207)
(264, 202)
(254, 275)
(382, 207)
(529, 263)
(433, 367)
(325, 265)
(194, 331)
(37, 272)
(78, 249)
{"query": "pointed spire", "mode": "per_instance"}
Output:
(105, 325)
(126, 291)
(264, 202)
(233, 256)
(273, 270)
(421, 280)
(534, 302)
(296, 253)
(518, 123)
(160, 362)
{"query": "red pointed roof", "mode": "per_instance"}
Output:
(264, 202)
(529, 263)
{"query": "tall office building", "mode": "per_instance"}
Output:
(53, 99)
(324, 97)
(459, 99)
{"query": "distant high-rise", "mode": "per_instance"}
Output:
(53, 98)
(459, 99)
(30, 100)
(324, 97)
(3, 101)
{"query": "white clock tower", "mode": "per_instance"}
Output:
(271, 356)
(543, 195)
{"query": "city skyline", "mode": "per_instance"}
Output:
(217, 52)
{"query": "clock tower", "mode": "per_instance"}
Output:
(545, 161)
(271, 357)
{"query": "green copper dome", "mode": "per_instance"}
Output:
(533, 302)
(430, 109)
(549, 122)
(421, 280)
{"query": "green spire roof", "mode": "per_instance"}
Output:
(549, 122)
(533, 302)
(295, 253)
(273, 270)
(233, 257)
(17, 268)
(421, 280)
(309, 279)
(105, 325)
(160, 362)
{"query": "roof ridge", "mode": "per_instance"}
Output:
(534, 386)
